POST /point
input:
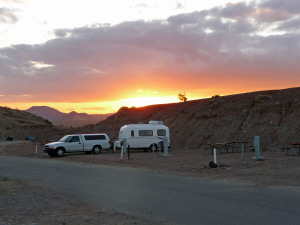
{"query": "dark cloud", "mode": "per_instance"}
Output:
(234, 11)
(7, 16)
(292, 25)
(291, 6)
(277, 10)
(179, 5)
(212, 48)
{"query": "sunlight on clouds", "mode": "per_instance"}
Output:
(40, 65)
(208, 31)
(143, 101)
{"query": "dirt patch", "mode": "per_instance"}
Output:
(24, 203)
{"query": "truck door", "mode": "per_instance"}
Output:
(75, 144)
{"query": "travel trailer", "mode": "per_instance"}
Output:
(144, 136)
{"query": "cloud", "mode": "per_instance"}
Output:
(239, 10)
(292, 25)
(291, 6)
(7, 16)
(277, 10)
(224, 48)
(14, 1)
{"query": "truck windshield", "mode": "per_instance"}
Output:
(65, 139)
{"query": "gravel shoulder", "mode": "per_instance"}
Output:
(24, 203)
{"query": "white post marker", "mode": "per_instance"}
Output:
(243, 149)
(122, 153)
(35, 149)
(115, 146)
(215, 156)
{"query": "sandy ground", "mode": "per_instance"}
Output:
(277, 168)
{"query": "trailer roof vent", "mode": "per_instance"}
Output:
(153, 122)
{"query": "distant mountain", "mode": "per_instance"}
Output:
(20, 125)
(46, 112)
(72, 119)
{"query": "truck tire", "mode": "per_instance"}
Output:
(153, 147)
(60, 152)
(97, 149)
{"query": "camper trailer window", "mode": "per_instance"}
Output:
(161, 132)
(145, 132)
(132, 133)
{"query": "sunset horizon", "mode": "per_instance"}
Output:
(133, 102)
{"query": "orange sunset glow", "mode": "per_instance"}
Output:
(147, 54)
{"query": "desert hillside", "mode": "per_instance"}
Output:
(22, 124)
(273, 115)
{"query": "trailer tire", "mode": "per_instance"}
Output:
(97, 149)
(153, 147)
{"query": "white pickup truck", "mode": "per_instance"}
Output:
(89, 143)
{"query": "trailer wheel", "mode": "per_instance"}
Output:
(97, 149)
(60, 152)
(153, 147)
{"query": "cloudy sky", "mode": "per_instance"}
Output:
(96, 57)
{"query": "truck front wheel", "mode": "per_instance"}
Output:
(60, 152)
(97, 149)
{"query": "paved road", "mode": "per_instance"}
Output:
(160, 198)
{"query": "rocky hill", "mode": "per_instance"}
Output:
(22, 124)
(72, 119)
(273, 115)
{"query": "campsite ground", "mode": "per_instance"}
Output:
(22, 202)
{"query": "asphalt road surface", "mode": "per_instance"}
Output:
(159, 197)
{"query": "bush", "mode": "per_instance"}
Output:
(213, 99)
(262, 98)
(182, 97)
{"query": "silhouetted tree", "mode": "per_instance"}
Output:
(182, 97)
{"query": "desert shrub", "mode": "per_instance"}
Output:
(262, 98)
(182, 97)
(213, 99)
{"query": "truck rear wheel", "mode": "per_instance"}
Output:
(97, 149)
